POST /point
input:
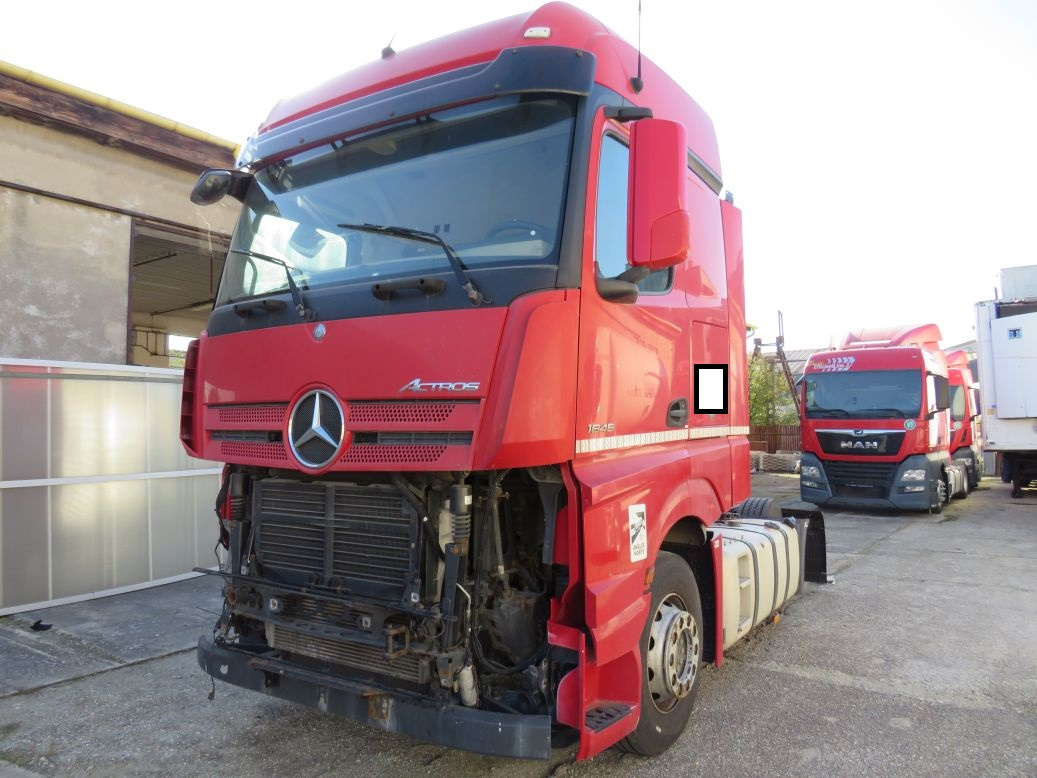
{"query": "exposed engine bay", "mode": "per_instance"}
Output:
(435, 585)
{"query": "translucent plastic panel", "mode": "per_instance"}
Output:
(163, 430)
(24, 567)
(98, 428)
(23, 428)
(99, 536)
(183, 525)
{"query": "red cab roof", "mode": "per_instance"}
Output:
(568, 26)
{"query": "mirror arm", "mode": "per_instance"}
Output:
(622, 288)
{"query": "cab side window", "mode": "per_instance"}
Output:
(610, 249)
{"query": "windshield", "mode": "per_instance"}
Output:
(958, 403)
(488, 178)
(864, 394)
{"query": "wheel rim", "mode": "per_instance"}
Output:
(941, 491)
(674, 653)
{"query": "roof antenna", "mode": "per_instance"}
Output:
(389, 51)
(636, 83)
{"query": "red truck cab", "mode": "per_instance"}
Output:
(476, 366)
(875, 424)
(966, 422)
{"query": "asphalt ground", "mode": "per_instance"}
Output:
(919, 660)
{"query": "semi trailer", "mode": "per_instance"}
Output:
(1006, 345)
(476, 368)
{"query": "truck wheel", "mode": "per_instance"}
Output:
(940, 495)
(671, 658)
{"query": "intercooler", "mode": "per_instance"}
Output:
(353, 540)
(369, 660)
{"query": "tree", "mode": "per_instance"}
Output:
(769, 398)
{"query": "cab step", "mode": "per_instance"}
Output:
(605, 715)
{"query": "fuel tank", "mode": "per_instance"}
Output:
(763, 569)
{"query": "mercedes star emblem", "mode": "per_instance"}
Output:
(315, 428)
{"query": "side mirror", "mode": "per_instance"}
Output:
(939, 392)
(659, 234)
(213, 185)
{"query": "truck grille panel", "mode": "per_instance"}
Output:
(403, 412)
(386, 455)
(360, 540)
(234, 450)
(868, 444)
(252, 414)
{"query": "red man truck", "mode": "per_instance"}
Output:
(875, 423)
(476, 366)
(965, 417)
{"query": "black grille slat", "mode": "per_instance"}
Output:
(348, 538)
(253, 436)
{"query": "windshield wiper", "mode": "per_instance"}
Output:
(821, 413)
(477, 297)
(894, 412)
(306, 314)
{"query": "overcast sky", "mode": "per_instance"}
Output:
(883, 153)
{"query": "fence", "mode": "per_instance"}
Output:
(774, 437)
(96, 493)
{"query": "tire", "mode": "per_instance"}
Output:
(671, 658)
(759, 508)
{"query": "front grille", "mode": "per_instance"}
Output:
(408, 667)
(860, 479)
(348, 538)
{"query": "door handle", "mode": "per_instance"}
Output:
(677, 413)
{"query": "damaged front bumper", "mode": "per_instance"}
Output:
(455, 726)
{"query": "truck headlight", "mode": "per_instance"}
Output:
(810, 471)
(913, 475)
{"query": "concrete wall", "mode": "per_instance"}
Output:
(64, 267)
(65, 273)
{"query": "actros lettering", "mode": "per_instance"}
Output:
(417, 385)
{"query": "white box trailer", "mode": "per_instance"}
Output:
(1006, 342)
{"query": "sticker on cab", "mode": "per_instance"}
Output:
(638, 532)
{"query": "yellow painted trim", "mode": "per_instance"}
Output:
(61, 87)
